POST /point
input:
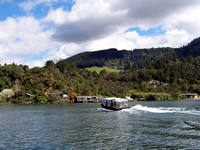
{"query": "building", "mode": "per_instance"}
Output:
(191, 95)
(29, 96)
(57, 95)
(65, 95)
(156, 83)
(88, 99)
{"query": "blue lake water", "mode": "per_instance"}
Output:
(146, 125)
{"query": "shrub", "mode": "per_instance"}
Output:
(135, 96)
(37, 92)
(19, 94)
(53, 101)
(7, 93)
(41, 99)
(151, 98)
(18, 100)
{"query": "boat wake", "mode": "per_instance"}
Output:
(140, 108)
(105, 110)
(192, 125)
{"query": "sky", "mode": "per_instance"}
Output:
(34, 31)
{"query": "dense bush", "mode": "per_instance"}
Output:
(41, 99)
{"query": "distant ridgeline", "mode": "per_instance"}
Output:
(135, 59)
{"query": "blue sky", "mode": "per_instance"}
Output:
(13, 9)
(152, 31)
(34, 31)
(9, 10)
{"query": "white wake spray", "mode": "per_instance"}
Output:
(103, 109)
(140, 108)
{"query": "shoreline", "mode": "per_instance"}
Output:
(29, 103)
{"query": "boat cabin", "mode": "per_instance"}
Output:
(114, 103)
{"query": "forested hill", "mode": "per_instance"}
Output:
(134, 59)
(162, 74)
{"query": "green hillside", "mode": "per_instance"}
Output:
(99, 69)
(133, 59)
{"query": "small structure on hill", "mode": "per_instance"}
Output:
(57, 95)
(64, 95)
(156, 83)
(29, 96)
(191, 95)
(88, 99)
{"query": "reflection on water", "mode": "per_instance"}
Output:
(149, 125)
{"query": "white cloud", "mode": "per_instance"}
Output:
(58, 16)
(91, 20)
(30, 4)
(129, 41)
(87, 21)
(94, 25)
(23, 38)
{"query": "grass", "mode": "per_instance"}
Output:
(4, 102)
(99, 69)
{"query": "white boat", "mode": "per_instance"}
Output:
(113, 103)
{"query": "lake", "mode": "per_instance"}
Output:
(146, 125)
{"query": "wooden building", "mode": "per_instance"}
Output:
(88, 99)
(57, 95)
(191, 95)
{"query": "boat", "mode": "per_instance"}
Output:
(115, 104)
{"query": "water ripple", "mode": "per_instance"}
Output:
(154, 125)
